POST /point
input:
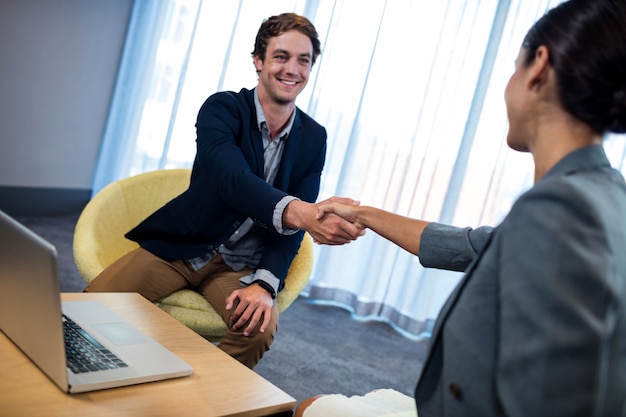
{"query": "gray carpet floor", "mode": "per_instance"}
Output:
(319, 348)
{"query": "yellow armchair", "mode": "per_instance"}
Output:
(99, 241)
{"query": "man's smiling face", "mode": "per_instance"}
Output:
(285, 71)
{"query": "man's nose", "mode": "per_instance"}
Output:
(291, 66)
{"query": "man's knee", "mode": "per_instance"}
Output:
(249, 349)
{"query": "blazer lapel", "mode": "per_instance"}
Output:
(257, 152)
(449, 304)
(292, 146)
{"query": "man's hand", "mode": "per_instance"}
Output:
(329, 229)
(404, 231)
(254, 304)
(349, 212)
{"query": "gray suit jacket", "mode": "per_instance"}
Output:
(537, 326)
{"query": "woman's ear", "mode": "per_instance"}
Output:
(539, 69)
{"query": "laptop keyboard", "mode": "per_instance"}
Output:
(84, 353)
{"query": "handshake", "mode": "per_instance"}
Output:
(331, 222)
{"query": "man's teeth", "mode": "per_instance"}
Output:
(289, 82)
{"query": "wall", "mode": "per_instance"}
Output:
(58, 63)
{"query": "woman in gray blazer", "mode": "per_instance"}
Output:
(537, 326)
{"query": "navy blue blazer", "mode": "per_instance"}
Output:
(227, 185)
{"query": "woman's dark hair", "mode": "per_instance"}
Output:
(587, 44)
(277, 25)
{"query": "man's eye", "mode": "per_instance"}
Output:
(305, 61)
(281, 57)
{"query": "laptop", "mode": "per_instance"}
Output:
(33, 317)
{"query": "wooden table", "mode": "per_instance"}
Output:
(219, 385)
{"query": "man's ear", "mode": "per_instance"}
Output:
(538, 72)
(258, 63)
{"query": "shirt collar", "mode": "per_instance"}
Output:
(261, 121)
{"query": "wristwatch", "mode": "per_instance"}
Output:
(267, 287)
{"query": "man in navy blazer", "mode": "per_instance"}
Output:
(234, 232)
(229, 168)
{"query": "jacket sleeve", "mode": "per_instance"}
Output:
(452, 248)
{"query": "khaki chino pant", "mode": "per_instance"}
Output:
(154, 278)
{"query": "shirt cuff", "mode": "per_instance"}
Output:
(261, 275)
(278, 215)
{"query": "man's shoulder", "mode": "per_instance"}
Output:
(307, 121)
(228, 104)
(242, 96)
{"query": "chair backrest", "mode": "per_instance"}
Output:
(99, 235)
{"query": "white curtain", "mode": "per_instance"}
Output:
(411, 94)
